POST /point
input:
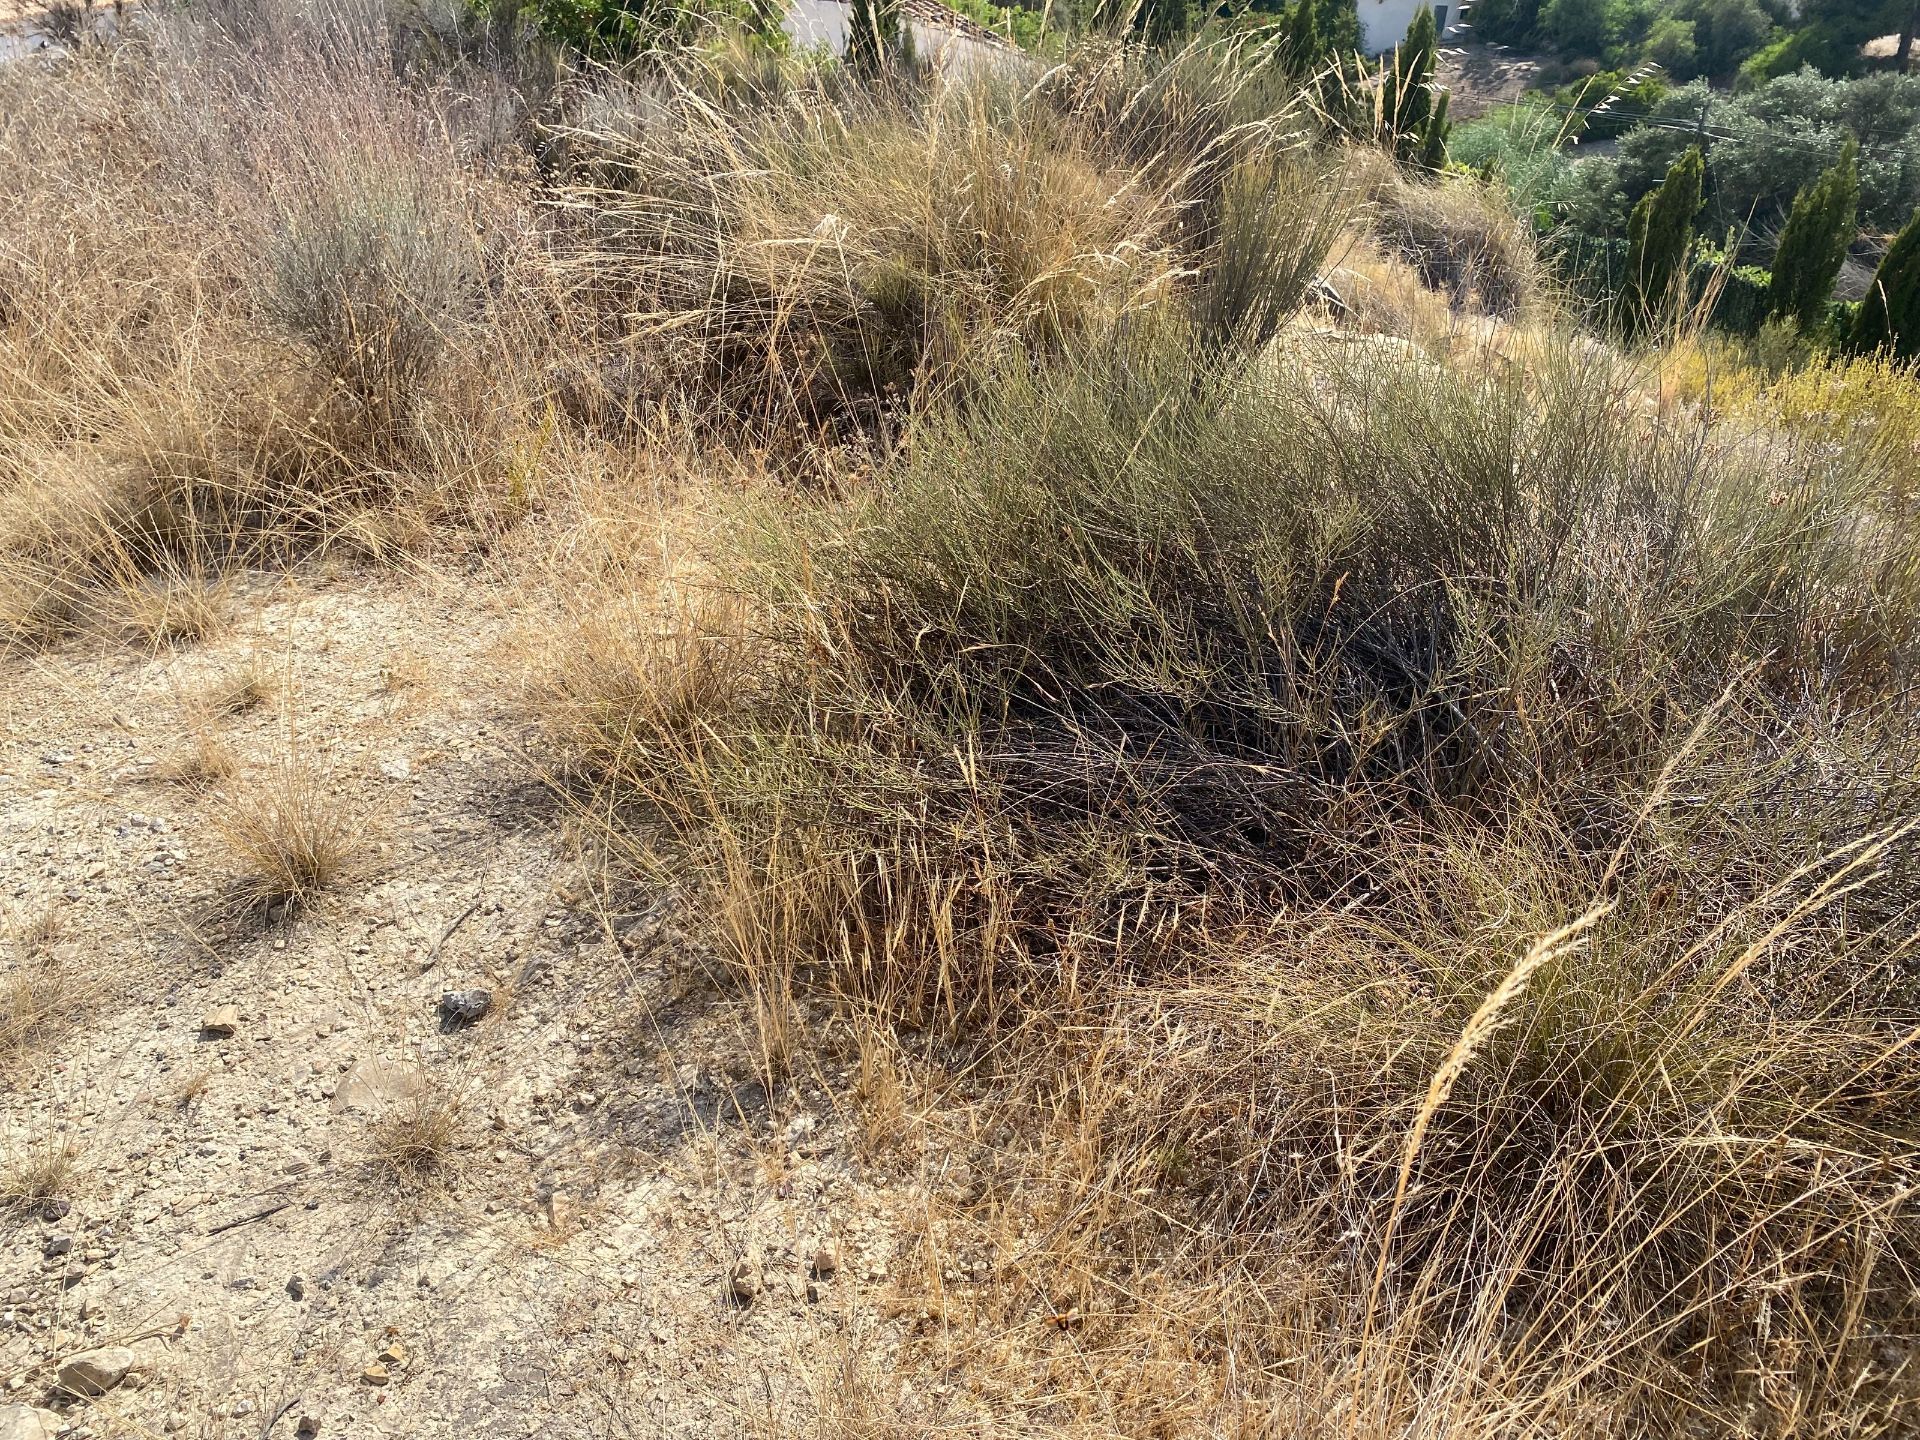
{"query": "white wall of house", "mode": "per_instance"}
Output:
(1383, 23)
(811, 23)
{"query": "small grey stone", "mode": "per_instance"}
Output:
(296, 1288)
(23, 1422)
(743, 1281)
(221, 1021)
(58, 1245)
(94, 1372)
(465, 1007)
(372, 1084)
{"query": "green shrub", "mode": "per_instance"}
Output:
(621, 28)
(1520, 146)
(1337, 680)
(1813, 247)
(1278, 219)
(1889, 314)
(1327, 569)
(1737, 296)
(370, 271)
(1659, 235)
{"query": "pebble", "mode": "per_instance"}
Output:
(465, 1007)
(375, 1374)
(94, 1372)
(826, 1260)
(24, 1422)
(58, 1245)
(221, 1021)
(307, 1427)
(743, 1281)
(798, 1128)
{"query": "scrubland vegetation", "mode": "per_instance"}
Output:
(1378, 835)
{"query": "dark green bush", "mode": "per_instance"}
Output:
(1740, 292)
(1889, 313)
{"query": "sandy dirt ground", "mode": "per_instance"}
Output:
(1479, 77)
(228, 1218)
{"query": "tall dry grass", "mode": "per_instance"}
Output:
(1416, 856)
(807, 253)
(1382, 872)
(264, 294)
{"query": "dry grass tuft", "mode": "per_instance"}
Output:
(291, 833)
(204, 760)
(41, 993)
(38, 1003)
(283, 301)
(815, 256)
(416, 1144)
(1460, 235)
(38, 932)
(191, 1088)
(234, 693)
(172, 609)
(36, 1175)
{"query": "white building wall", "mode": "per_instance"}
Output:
(812, 23)
(1384, 23)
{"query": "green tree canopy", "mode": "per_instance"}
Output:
(1659, 234)
(1890, 314)
(873, 35)
(1814, 245)
(1300, 44)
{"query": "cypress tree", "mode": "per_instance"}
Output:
(1406, 96)
(1300, 42)
(1814, 244)
(1338, 24)
(1890, 315)
(873, 35)
(1659, 233)
(1433, 143)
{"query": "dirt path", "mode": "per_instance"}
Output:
(1479, 77)
(228, 1216)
